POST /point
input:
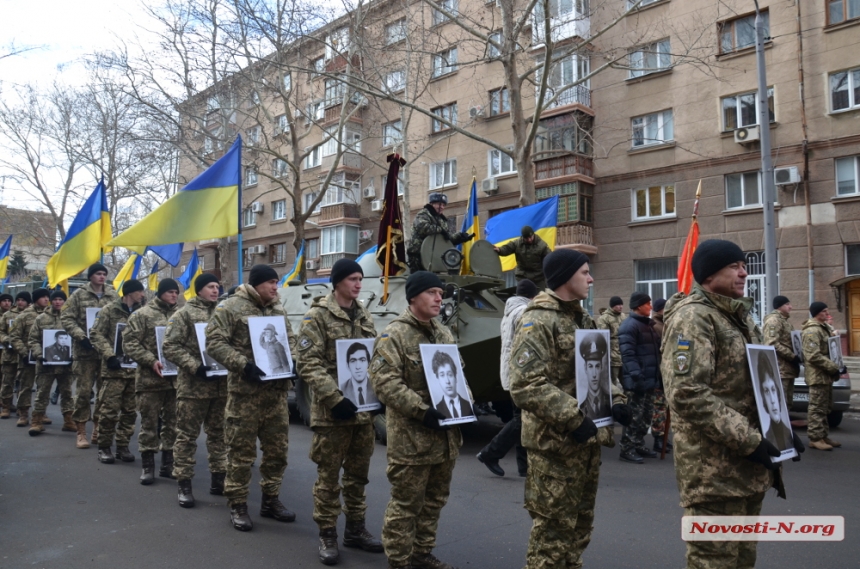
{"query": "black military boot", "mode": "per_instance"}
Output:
(659, 440)
(273, 508)
(356, 535)
(429, 561)
(239, 517)
(186, 498)
(216, 488)
(105, 455)
(147, 459)
(124, 454)
(328, 546)
(166, 470)
(646, 452)
(631, 456)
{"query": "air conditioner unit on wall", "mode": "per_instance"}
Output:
(257, 207)
(786, 176)
(258, 249)
(376, 205)
(312, 265)
(489, 186)
(746, 134)
(369, 193)
(476, 112)
(365, 234)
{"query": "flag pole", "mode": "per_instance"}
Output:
(240, 220)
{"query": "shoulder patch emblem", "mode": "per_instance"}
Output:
(307, 318)
(682, 362)
(524, 357)
(304, 343)
(682, 343)
(384, 337)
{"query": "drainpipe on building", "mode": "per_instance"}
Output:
(810, 266)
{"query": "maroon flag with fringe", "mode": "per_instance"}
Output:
(391, 250)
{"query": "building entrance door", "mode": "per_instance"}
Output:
(853, 289)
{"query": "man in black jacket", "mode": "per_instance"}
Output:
(640, 375)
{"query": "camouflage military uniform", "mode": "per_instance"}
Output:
(610, 320)
(19, 335)
(85, 364)
(529, 259)
(9, 360)
(420, 460)
(254, 410)
(561, 484)
(336, 444)
(117, 413)
(427, 223)
(820, 374)
(777, 331)
(199, 402)
(658, 419)
(46, 375)
(714, 415)
(156, 395)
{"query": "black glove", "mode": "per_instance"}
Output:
(431, 420)
(798, 446)
(344, 410)
(447, 236)
(622, 414)
(201, 372)
(843, 370)
(87, 344)
(584, 431)
(113, 363)
(762, 454)
(252, 374)
(796, 361)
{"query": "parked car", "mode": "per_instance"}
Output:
(841, 397)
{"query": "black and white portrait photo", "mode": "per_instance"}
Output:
(835, 345)
(92, 312)
(124, 360)
(593, 379)
(770, 399)
(447, 383)
(353, 377)
(797, 344)
(216, 368)
(56, 348)
(167, 367)
(270, 346)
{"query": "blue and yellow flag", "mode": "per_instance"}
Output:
(4, 257)
(471, 224)
(207, 208)
(507, 226)
(192, 271)
(153, 277)
(296, 271)
(85, 240)
(128, 272)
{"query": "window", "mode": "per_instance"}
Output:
(251, 177)
(287, 82)
(395, 81)
(309, 198)
(312, 160)
(343, 188)
(212, 104)
(658, 278)
(568, 18)
(493, 51)
(632, 3)
(254, 135)
(449, 6)
(654, 202)
(279, 168)
(742, 110)
(743, 190)
(392, 133)
(560, 83)
(852, 258)
(443, 174)
(254, 99)
(335, 92)
(655, 128)
(278, 253)
(338, 42)
(445, 62)
(279, 210)
(249, 217)
(500, 101)
(847, 175)
(500, 164)
(568, 132)
(315, 111)
(395, 31)
(841, 10)
(208, 145)
(282, 125)
(845, 89)
(740, 33)
(317, 67)
(650, 59)
(448, 113)
(340, 239)
(312, 248)
(351, 140)
(576, 201)
(399, 183)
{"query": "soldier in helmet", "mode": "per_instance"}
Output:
(597, 401)
(430, 221)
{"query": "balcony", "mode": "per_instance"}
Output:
(576, 236)
(568, 166)
(562, 26)
(576, 95)
(328, 261)
(332, 113)
(338, 63)
(339, 214)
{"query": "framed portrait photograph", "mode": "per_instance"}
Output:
(797, 344)
(447, 383)
(835, 345)
(92, 312)
(270, 346)
(125, 361)
(56, 348)
(168, 367)
(770, 400)
(593, 376)
(217, 369)
(353, 372)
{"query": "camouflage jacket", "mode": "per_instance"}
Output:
(103, 336)
(819, 369)
(709, 388)
(397, 375)
(529, 258)
(19, 334)
(777, 330)
(138, 341)
(74, 316)
(323, 325)
(611, 320)
(543, 384)
(228, 339)
(10, 356)
(47, 320)
(181, 347)
(427, 223)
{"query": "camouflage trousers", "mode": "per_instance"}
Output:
(27, 375)
(87, 374)
(191, 414)
(418, 494)
(724, 554)
(264, 416)
(562, 512)
(117, 413)
(332, 449)
(10, 372)
(658, 421)
(820, 403)
(642, 406)
(44, 383)
(153, 405)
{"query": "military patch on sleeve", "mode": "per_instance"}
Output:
(683, 344)
(524, 356)
(377, 364)
(307, 318)
(220, 306)
(528, 325)
(384, 337)
(305, 343)
(681, 362)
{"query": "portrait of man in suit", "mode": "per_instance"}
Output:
(356, 388)
(61, 350)
(777, 432)
(597, 403)
(452, 404)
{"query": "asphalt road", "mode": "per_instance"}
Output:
(61, 508)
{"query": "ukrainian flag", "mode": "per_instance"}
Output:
(192, 271)
(85, 240)
(153, 277)
(127, 272)
(505, 227)
(296, 271)
(207, 208)
(4, 257)
(471, 224)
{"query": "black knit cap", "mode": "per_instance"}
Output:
(560, 265)
(58, 294)
(261, 274)
(658, 305)
(24, 295)
(130, 286)
(779, 301)
(203, 280)
(815, 308)
(342, 269)
(712, 256)
(527, 289)
(637, 299)
(6, 296)
(527, 231)
(40, 293)
(615, 301)
(419, 281)
(166, 285)
(94, 268)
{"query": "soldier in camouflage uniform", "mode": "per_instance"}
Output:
(47, 374)
(658, 420)
(530, 251)
(820, 374)
(117, 413)
(19, 335)
(155, 393)
(256, 408)
(777, 331)
(9, 359)
(610, 320)
(563, 444)
(200, 399)
(6, 301)
(722, 462)
(86, 365)
(430, 221)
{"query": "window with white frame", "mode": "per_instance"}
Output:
(845, 89)
(279, 168)
(351, 140)
(315, 111)
(249, 217)
(254, 99)
(287, 82)
(493, 51)
(395, 81)
(343, 188)
(653, 202)
(650, 58)
(449, 6)
(560, 83)
(312, 248)
(282, 125)
(317, 67)
(279, 210)
(500, 101)
(658, 278)
(312, 160)
(570, 132)
(742, 110)
(743, 190)
(500, 163)
(340, 239)
(254, 135)
(444, 62)
(445, 112)
(308, 198)
(847, 176)
(655, 128)
(395, 31)
(739, 33)
(335, 91)
(338, 42)
(443, 174)
(392, 133)
(399, 183)
(251, 177)
(278, 253)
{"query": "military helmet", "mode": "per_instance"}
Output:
(438, 197)
(593, 347)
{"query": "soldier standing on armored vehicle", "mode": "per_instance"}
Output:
(530, 251)
(430, 221)
(9, 358)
